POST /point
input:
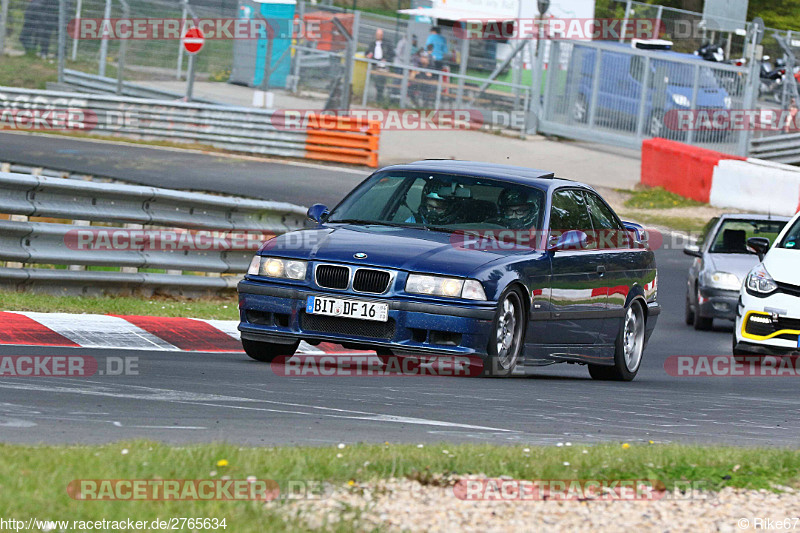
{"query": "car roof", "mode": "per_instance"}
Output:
(668, 53)
(542, 179)
(748, 216)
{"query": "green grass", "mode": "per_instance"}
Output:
(657, 198)
(27, 71)
(680, 223)
(34, 478)
(170, 306)
(31, 72)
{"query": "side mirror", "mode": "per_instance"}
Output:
(637, 232)
(693, 250)
(758, 245)
(317, 213)
(569, 240)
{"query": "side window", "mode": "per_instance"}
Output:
(569, 213)
(637, 68)
(705, 234)
(609, 231)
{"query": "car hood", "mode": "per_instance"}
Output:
(781, 263)
(737, 264)
(389, 247)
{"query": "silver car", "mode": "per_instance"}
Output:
(722, 260)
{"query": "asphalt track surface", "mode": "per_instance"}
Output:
(300, 184)
(198, 397)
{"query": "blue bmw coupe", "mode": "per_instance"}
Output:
(506, 264)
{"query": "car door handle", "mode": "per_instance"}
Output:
(601, 270)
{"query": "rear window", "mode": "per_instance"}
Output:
(731, 238)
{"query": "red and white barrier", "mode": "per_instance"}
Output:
(720, 179)
(756, 185)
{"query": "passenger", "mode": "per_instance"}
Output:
(518, 209)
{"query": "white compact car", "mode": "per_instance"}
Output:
(768, 314)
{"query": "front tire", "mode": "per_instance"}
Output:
(507, 337)
(266, 352)
(629, 348)
(701, 323)
(688, 313)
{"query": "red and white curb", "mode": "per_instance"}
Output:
(131, 333)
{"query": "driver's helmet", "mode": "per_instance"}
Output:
(519, 209)
(437, 205)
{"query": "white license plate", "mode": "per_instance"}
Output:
(324, 305)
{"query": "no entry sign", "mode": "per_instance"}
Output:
(194, 40)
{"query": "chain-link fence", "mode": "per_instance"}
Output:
(338, 65)
(618, 94)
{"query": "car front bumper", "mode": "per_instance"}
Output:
(276, 313)
(718, 303)
(777, 331)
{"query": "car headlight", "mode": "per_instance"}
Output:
(274, 267)
(759, 281)
(681, 100)
(723, 280)
(441, 286)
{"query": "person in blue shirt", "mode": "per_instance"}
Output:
(439, 44)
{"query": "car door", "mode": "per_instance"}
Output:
(621, 265)
(577, 299)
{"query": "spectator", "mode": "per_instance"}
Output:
(790, 118)
(30, 27)
(382, 52)
(437, 45)
(423, 89)
(400, 51)
(48, 25)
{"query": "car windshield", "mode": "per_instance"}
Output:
(442, 202)
(792, 238)
(682, 74)
(731, 238)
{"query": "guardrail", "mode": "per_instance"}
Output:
(140, 210)
(94, 84)
(240, 129)
(779, 148)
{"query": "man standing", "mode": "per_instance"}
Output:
(439, 44)
(382, 52)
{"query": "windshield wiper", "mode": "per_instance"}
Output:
(368, 222)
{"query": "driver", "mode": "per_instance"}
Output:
(436, 207)
(518, 209)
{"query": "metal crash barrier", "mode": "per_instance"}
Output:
(140, 237)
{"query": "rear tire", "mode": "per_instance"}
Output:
(629, 348)
(266, 352)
